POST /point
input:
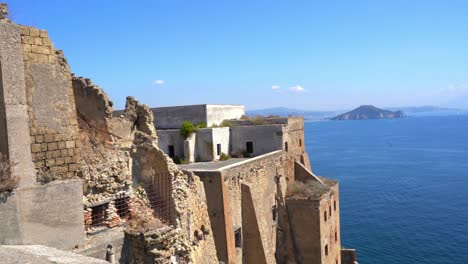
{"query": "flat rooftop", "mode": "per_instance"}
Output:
(222, 165)
(211, 165)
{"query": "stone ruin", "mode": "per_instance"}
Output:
(93, 181)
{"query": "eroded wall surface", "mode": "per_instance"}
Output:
(51, 107)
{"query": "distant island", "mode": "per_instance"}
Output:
(368, 112)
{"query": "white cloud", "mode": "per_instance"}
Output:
(297, 89)
(275, 87)
(158, 82)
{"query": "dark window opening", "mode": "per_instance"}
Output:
(300, 142)
(336, 236)
(249, 147)
(99, 214)
(171, 151)
(326, 250)
(334, 205)
(238, 237)
(286, 146)
(325, 216)
(336, 261)
(275, 212)
(329, 210)
(218, 149)
(121, 205)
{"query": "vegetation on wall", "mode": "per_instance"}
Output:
(188, 128)
(223, 156)
(7, 182)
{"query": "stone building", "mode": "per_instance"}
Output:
(102, 183)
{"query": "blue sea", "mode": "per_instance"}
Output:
(403, 186)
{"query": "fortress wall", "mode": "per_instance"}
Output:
(264, 138)
(172, 117)
(263, 177)
(311, 233)
(216, 114)
(51, 107)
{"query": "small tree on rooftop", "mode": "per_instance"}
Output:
(187, 128)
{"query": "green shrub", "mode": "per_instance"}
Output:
(226, 123)
(223, 156)
(187, 128)
(201, 125)
(178, 160)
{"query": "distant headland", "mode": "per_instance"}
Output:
(369, 112)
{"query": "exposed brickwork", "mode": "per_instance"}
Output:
(54, 144)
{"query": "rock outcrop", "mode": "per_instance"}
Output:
(368, 112)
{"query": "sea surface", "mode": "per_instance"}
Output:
(403, 186)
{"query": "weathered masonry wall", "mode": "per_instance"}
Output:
(315, 226)
(242, 202)
(49, 215)
(264, 139)
(172, 117)
(216, 114)
(51, 107)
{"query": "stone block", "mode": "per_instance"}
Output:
(38, 41)
(52, 146)
(27, 40)
(70, 144)
(50, 162)
(34, 32)
(44, 146)
(56, 153)
(25, 31)
(27, 48)
(59, 161)
(73, 167)
(61, 145)
(71, 152)
(49, 138)
(64, 153)
(36, 148)
(39, 138)
(43, 33)
(46, 42)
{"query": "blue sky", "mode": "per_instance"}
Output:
(317, 55)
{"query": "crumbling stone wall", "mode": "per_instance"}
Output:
(51, 107)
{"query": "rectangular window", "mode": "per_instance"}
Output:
(334, 205)
(238, 237)
(286, 146)
(336, 236)
(329, 210)
(99, 214)
(300, 142)
(326, 250)
(218, 149)
(275, 213)
(171, 151)
(249, 147)
(325, 216)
